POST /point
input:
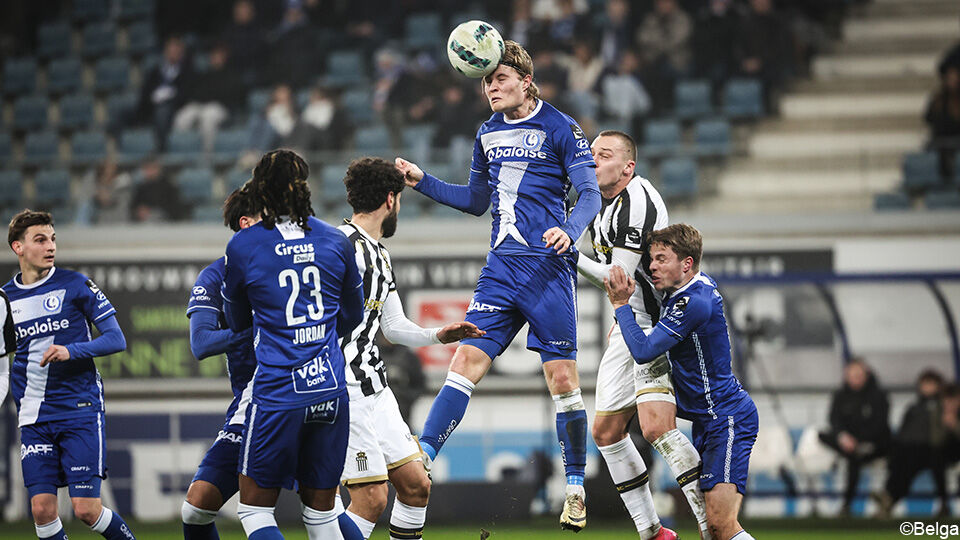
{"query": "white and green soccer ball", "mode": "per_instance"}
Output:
(474, 49)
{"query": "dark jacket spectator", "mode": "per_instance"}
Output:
(714, 40)
(211, 97)
(272, 126)
(943, 119)
(615, 31)
(323, 124)
(765, 45)
(293, 47)
(664, 39)
(164, 88)
(156, 198)
(245, 41)
(453, 117)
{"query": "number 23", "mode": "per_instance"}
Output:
(311, 275)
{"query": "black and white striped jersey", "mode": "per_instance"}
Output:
(365, 372)
(8, 339)
(623, 222)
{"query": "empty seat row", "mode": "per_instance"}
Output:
(741, 98)
(65, 75)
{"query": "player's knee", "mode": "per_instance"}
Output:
(87, 510)
(415, 492)
(43, 511)
(603, 435)
(204, 496)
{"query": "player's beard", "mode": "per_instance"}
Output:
(389, 225)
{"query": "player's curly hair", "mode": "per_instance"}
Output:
(515, 56)
(369, 180)
(239, 204)
(683, 239)
(279, 188)
(23, 220)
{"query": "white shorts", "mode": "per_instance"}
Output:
(622, 383)
(380, 440)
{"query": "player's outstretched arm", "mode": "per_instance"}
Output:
(588, 204)
(595, 271)
(4, 377)
(109, 341)
(473, 198)
(398, 329)
(644, 348)
(206, 337)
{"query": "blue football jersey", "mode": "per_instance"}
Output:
(293, 281)
(57, 310)
(527, 163)
(241, 362)
(702, 372)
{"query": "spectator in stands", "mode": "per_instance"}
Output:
(919, 445)
(714, 41)
(951, 421)
(412, 98)
(764, 48)
(271, 127)
(583, 68)
(156, 198)
(549, 10)
(211, 97)
(859, 428)
(664, 39)
(245, 40)
(293, 46)
(943, 118)
(164, 88)
(104, 195)
(323, 124)
(565, 26)
(453, 116)
(622, 93)
(524, 29)
(615, 31)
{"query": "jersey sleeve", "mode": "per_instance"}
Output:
(205, 294)
(93, 302)
(683, 315)
(9, 337)
(236, 306)
(391, 279)
(572, 146)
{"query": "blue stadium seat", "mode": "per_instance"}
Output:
(111, 74)
(6, 146)
(90, 10)
(141, 39)
(41, 148)
(946, 199)
(891, 201)
(88, 148)
(135, 9)
(359, 105)
(642, 168)
(196, 185)
(692, 99)
(118, 106)
(372, 139)
(76, 111)
(678, 178)
(51, 187)
(53, 40)
(345, 68)
(99, 39)
(331, 183)
(921, 171)
(743, 98)
(712, 138)
(423, 30)
(64, 75)
(661, 138)
(19, 76)
(257, 100)
(236, 178)
(30, 113)
(418, 141)
(183, 147)
(229, 144)
(208, 213)
(135, 145)
(11, 188)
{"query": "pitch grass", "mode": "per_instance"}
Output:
(806, 529)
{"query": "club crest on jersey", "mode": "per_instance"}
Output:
(532, 139)
(314, 376)
(361, 461)
(52, 303)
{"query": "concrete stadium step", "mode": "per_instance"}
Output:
(896, 28)
(864, 87)
(887, 122)
(823, 165)
(807, 183)
(909, 8)
(779, 204)
(852, 105)
(936, 45)
(872, 66)
(820, 144)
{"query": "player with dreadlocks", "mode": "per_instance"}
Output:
(297, 426)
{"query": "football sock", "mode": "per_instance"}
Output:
(406, 522)
(742, 535)
(684, 462)
(258, 522)
(445, 413)
(572, 434)
(629, 474)
(348, 528)
(51, 531)
(366, 527)
(198, 523)
(322, 524)
(111, 526)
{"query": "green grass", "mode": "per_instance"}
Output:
(765, 530)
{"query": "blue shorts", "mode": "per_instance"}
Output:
(724, 445)
(66, 452)
(514, 290)
(307, 444)
(219, 465)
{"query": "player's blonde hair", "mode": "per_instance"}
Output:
(683, 239)
(515, 56)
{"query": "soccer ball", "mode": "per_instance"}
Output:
(474, 49)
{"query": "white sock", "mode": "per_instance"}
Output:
(459, 382)
(321, 524)
(366, 527)
(191, 515)
(50, 529)
(406, 522)
(684, 462)
(106, 516)
(742, 535)
(629, 473)
(254, 518)
(569, 401)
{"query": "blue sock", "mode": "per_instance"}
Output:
(572, 434)
(200, 532)
(348, 528)
(445, 413)
(112, 527)
(266, 533)
(51, 531)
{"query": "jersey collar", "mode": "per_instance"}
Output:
(693, 280)
(527, 117)
(361, 230)
(18, 280)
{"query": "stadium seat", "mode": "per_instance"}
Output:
(76, 112)
(891, 201)
(141, 39)
(345, 68)
(257, 100)
(111, 74)
(135, 145)
(712, 138)
(331, 184)
(19, 76)
(90, 10)
(53, 40)
(119, 106)
(946, 199)
(88, 148)
(423, 30)
(642, 168)
(196, 185)
(678, 178)
(229, 144)
(661, 138)
(692, 99)
(418, 141)
(11, 188)
(236, 178)
(6, 147)
(64, 75)
(30, 113)
(208, 213)
(51, 187)
(743, 98)
(135, 9)
(99, 39)
(372, 139)
(921, 171)
(183, 148)
(41, 148)
(359, 104)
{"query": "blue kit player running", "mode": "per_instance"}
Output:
(294, 279)
(525, 158)
(692, 332)
(54, 380)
